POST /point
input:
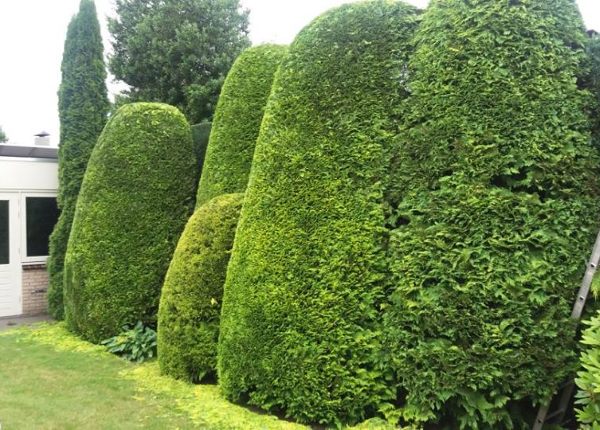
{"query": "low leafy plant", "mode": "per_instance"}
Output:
(134, 344)
(588, 378)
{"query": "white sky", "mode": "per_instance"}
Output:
(32, 35)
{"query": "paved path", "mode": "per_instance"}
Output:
(6, 323)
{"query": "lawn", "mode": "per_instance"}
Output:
(52, 380)
(49, 379)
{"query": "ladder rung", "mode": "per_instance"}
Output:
(554, 414)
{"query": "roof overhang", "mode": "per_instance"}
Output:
(28, 151)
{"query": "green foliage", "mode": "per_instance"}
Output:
(133, 344)
(237, 122)
(588, 379)
(52, 379)
(177, 51)
(299, 319)
(83, 107)
(200, 136)
(493, 206)
(136, 196)
(3, 137)
(190, 306)
(593, 83)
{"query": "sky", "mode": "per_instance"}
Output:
(32, 36)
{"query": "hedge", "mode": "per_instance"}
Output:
(299, 318)
(83, 108)
(237, 122)
(190, 305)
(494, 198)
(137, 194)
(200, 135)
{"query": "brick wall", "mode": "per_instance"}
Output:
(35, 287)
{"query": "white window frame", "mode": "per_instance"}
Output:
(23, 215)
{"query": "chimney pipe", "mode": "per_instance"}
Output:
(42, 139)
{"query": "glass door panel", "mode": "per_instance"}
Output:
(4, 232)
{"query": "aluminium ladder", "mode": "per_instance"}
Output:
(543, 416)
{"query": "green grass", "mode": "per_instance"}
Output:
(50, 379)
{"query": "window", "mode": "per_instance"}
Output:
(4, 242)
(42, 214)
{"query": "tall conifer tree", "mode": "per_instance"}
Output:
(83, 107)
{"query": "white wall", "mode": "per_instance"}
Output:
(27, 174)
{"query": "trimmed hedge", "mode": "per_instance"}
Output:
(299, 320)
(137, 194)
(200, 136)
(494, 203)
(190, 306)
(237, 122)
(83, 108)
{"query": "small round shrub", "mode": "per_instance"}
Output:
(299, 321)
(136, 196)
(494, 198)
(190, 305)
(237, 121)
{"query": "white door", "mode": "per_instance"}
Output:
(10, 261)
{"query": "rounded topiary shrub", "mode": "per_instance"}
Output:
(190, 305)
(237, 121)
(494, 203)
(136, 196)
(299, 321)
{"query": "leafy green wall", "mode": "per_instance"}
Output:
(593, 82)
(494, 203)
(588, 376)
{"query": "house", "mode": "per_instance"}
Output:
(28, 212)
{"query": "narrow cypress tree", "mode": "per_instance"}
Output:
(495, 199)
(83, 107)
